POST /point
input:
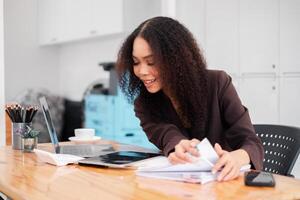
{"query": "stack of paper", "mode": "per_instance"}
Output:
(197, 172)
(56, 159)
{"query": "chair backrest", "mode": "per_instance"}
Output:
(281, 145)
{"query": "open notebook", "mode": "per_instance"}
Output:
(197, 172)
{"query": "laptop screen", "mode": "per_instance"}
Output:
(49, 122)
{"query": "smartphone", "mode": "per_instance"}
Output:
(259, 178)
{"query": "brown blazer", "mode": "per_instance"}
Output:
(228, 122)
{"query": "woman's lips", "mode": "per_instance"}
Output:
(149, 82)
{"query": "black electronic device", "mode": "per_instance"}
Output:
(259, 178)
(119, 159)
(113, 78)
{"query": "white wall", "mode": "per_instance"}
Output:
(2, 112)
(78, 64)
(26, 64)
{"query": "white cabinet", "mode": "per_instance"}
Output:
(258, 43)
(51, 21)
(290, 64)
(259, 36)
(67, 20)
(135, 12)
(289, 36)
(260, 96)
(289, 100)
(107, 17)
(222, 35)
(77, 18)
(88, 18)
(194, 21)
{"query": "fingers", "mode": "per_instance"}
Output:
(180, 151)
(234, 173)
(219, 150)
(221, 162)
(229, 172)
(194, 142)
(184, 147)
(192, 147)
(227, 165)
(184, 151)
(226, 170)
(174, 159)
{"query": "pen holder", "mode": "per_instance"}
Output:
(18, 129)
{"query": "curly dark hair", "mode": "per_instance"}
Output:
(181, 66)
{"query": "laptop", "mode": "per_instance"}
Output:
(84, 150)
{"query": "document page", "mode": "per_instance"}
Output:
(202, 163)
(197, 172)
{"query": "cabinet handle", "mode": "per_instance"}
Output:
(93, 32)
(291, 73)
(273, 66)
(129, 134)
(273, 87)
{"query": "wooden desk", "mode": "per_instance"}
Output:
(22, 176)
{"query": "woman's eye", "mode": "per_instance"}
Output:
(135, 63)
(151, 63)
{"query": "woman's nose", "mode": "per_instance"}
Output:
(143, 69)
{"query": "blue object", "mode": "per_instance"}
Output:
(113, 118)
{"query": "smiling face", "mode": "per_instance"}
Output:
(144, 66)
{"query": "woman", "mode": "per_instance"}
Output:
(179, 102)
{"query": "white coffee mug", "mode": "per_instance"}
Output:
(85, 133)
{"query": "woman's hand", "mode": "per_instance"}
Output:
(183, 151)
(231, 162)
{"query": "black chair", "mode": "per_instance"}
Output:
(281, 145)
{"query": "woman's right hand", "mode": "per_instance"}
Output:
(184, 151)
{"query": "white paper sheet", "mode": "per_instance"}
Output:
(197, 172)
(56, 159)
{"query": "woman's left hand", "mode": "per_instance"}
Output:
(229, 163)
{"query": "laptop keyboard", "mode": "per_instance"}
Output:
(76, 150)
(85, 150)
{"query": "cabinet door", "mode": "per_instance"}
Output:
(259, 36)
(67, 20)
(127, 125)
(126, 121)
(289, 101)
(51, 21)
(99, 114)
(106, 17)
(289, 36)
(260, 96)
(222, 35)
(191, 14)
(235, 81)
(78, 19)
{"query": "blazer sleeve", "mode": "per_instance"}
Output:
(240, 133)
(163, 135)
